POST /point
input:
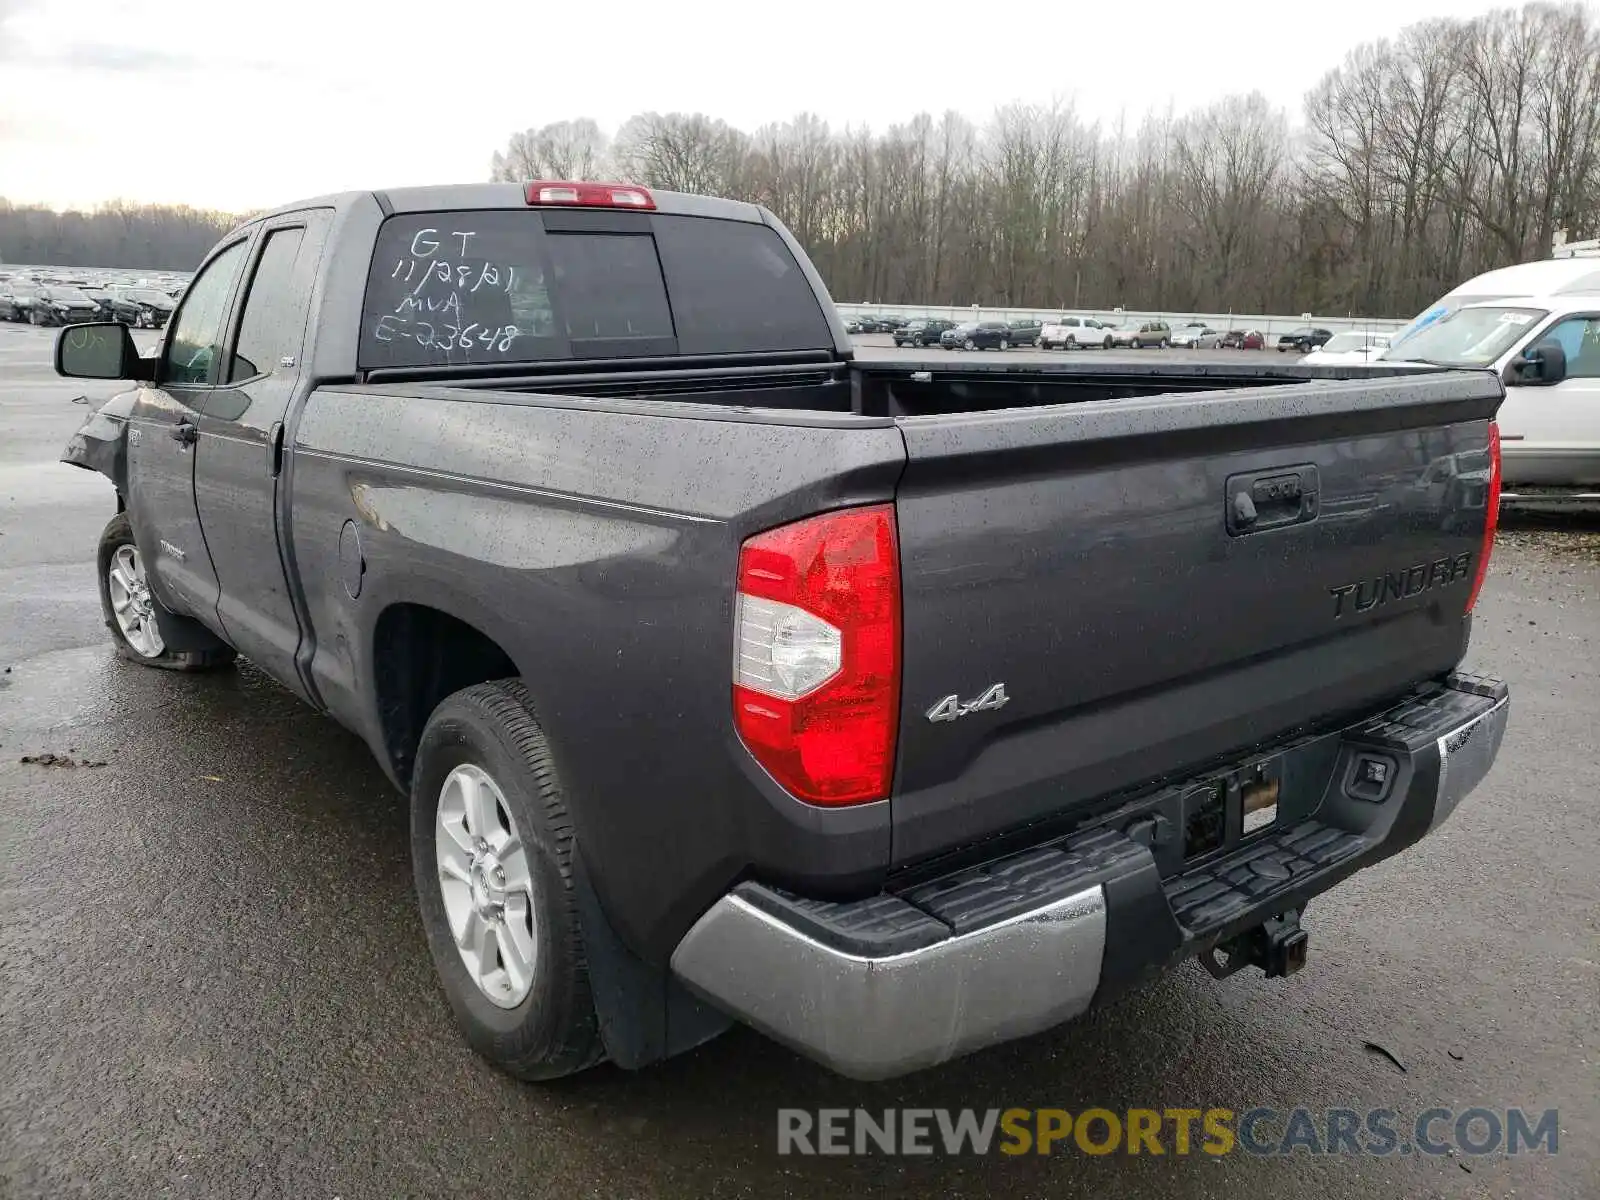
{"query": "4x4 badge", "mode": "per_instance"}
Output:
(952, 707)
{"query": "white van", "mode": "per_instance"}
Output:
(1578, 271)
(1546, 349)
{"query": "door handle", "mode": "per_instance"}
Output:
(1261, 500)
(186, 433)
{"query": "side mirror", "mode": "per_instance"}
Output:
(100, 350)
(1540, 365)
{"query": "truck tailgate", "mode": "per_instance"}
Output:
(1159, 581)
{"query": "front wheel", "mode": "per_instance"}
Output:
(917, 342)
(1004, 345)
(492, 857)
(1164, 344)
(1072, 342)
(135, 617)
(1106, 345)
(969, 344)
(1136, 344)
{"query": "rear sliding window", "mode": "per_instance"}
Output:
(513, 286)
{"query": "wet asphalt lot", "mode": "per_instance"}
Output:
(212, 982)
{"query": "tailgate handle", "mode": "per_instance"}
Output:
(1272, 499)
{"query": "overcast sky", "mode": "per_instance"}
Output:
(223, 104)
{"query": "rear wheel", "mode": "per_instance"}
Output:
(491, 852)
(135, 617)
(1072, 341)
(1164, 344)
(1004, 345)
(1106, 345)
(969, 344)
(1136, 344)
(917, 342)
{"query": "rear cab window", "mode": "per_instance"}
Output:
(513, 286)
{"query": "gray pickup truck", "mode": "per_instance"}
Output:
(894, 708)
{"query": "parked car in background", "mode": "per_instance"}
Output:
(978, 335)
(1136, 335)
(1026, 332)
(1349, 348)
(922, 331)
(62, 306)
(16, 297)
(102, 300)
(147, 308)
(1242, 339)
(1068, 333)
(1305, 339)
(1196, 337)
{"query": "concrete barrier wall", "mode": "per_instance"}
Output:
(1270, 325)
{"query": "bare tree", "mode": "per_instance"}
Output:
(562, 150)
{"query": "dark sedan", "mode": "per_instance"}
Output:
(982, 335)
(145, 308)
(1305, 339)
(62, 306)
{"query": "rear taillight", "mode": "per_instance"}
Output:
(1491, 515)
(589, 195)
(816, 672)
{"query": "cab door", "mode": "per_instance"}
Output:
(238, 477)
(1550, 433)
(163, 432)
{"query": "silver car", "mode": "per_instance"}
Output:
(1196, 337)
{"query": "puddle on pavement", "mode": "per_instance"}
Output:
(60, 690)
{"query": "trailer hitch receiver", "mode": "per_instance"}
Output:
(1278, 946)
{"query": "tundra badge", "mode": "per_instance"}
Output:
(952, 707)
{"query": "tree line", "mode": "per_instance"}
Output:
(149, 237)
(1454, 147)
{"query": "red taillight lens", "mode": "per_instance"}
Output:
(589, 195)
(816, 673)
(1491, 516)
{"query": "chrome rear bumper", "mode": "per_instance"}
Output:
(905, 980)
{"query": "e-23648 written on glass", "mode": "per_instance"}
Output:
(427, 268)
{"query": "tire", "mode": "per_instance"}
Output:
(33, 317)
(969, 344)
(1106, 345)
(1072, 342)
(141, 641)
(1164, 344)
(917, 342)
(552, 1030)
(1004, 345)
(1136, 344)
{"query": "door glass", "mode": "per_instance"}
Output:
(274, 315)
(1580, 338)
(194, 347)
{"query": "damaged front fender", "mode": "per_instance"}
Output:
(101, 444)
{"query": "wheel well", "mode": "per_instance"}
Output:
(420, 656)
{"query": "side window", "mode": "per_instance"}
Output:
(1580, 338)
(194, 347)
(274, 314)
